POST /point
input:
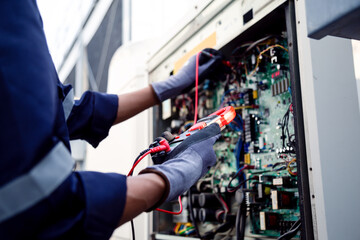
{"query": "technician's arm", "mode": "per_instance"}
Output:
(133, 103)
(165, 182)
(143, 192)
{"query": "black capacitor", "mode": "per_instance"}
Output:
(196, 213)
(195, 200)
(207, 215)
(208, 200)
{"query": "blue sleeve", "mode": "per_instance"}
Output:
(28, 94)
(32, 122)
(92, 116)
(87, 205)
(105, 195)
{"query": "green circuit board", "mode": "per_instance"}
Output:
(256, 153)
(275, 200)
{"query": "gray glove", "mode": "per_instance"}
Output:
(188, 162)
(210, 62)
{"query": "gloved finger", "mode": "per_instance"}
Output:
(206, 152)
(210, 56)
(215, 61)
(211, 133)
(212, 52)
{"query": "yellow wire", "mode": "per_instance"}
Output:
(258, 60)
(242, 107)
(176, 230)
(185, 230)
(246, 71)
(289, 169)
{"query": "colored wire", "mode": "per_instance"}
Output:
(187, 229)
(223, 203)
(183, 229)
(292, 232)
(196, 86)
(137, 162)
(176, 228)
(243, 107)
(170, 212)
(195, 120)
(218, 214)
(140, 158)
(258, 60)
(218, 196)
(290, 169)
(233, 189)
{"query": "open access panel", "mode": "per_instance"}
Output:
(258, 188)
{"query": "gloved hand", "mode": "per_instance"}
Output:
(187, 163)
(210, 62)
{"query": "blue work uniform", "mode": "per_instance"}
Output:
(40, 196)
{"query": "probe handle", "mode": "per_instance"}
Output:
(222, 117)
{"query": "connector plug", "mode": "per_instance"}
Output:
(164, 146)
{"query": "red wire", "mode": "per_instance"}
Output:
(195, 120)
(224, 203)
(170, 212)
(158, 209)
(196, 86)
(137, 162)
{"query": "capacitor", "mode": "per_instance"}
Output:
(208, 200)
(196, 213)
(195, 200)
(207, 215)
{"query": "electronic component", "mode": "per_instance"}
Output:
(282, 200)
(250, 128)
(269, 220)
(248, 97)
(208, 200)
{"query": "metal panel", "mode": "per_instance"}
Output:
(333, 17)
(331, 116)
(223, 17)
(307, 231)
